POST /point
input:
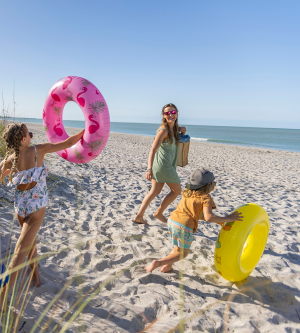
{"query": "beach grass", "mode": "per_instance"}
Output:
(20, 295)
(2, 142)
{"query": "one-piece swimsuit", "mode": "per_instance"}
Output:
(29, 201)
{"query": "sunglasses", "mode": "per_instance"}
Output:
(170, 112)
(31, 135)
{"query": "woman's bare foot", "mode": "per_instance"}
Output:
(152, 266)
(160, 217)
(139, 220)
(166, 268)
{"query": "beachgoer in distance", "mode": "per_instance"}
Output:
(183, 221)
(27, 171)
(162, 163)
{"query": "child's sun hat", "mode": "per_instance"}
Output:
(200, 178)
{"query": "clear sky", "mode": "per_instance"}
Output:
(221, 62)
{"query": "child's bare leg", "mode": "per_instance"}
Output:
(30, 227)
(175, 191)
(168, 261)
(34, 266)
(33, 251)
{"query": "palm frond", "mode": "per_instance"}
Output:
(78, 156)
(57, 110)
(85, 82)
(46, 128)
(69, 98)
(95, 145)
(98, 107)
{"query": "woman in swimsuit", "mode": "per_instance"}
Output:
(162, 163)
(27, 171)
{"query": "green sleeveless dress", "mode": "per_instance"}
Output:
(165, 163)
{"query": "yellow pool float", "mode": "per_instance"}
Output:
(241, 244)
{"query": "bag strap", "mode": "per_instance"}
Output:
(161, 128)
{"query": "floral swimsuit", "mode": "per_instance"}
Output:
(27, 202)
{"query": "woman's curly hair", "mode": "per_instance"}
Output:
(13, 135)
(187, 193)
(167, 127)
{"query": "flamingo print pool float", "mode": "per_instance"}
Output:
(96, 114)
(81, 100)
(54, 96)
(93, 128)
(58, 131)
(67, 82)
(65, 154)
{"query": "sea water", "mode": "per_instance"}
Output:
(270, 138)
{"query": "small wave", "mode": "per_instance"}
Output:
(199, 139)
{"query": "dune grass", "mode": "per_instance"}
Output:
(2, 142)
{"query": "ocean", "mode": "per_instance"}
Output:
(270, 138)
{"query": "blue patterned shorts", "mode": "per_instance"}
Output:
(27, 202)
(181, 235)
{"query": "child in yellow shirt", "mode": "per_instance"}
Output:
(196, 203)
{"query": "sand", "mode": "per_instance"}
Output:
(89, 241)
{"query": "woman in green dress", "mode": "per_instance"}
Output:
(162, 164)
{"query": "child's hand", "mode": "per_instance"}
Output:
(235, 216)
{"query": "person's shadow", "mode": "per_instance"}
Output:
(276, 297)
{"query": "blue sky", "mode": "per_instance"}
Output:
(221, 62)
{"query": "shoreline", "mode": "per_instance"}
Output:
(208, 140)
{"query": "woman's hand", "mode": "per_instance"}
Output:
(182, 130)
(149, 175)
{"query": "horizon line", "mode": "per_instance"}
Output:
(130, 122)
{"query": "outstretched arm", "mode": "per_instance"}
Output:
(47, 148)
(210, 217)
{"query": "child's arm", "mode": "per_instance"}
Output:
(47, 148)
(210, 217)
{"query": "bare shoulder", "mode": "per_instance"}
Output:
(161, 129)
(162, 133)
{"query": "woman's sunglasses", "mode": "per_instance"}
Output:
(170, 112)
(31, 135)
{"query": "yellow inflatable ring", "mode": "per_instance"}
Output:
(241, 244)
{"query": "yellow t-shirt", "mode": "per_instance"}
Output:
(190, 210)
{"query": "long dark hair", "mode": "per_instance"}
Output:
(167, 127)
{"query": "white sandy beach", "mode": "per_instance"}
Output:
(88, 233)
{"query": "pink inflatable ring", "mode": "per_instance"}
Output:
(95, 111)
